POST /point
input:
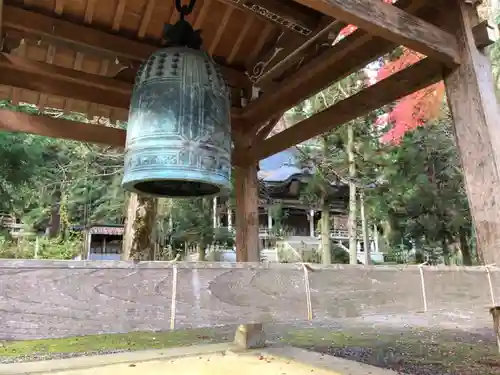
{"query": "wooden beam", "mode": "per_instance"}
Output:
(47, 126)
(87, 39)
(345, 57)
(69, 83)
(389, 22)
(51, 79)
(58, 128)
(266, 129)
(398, 85)
(476, 113)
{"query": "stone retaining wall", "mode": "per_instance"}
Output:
(65, 298)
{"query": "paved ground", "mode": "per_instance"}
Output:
(200, 360)
(419, 345)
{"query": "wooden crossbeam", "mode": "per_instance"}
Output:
(345, 57)
(85, 38)
(398, 85)
(54, 80)
(391, 23)
(46, 126)
(59, 128)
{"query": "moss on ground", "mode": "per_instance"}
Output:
(410, 352)
(109, 343)
(413, 351)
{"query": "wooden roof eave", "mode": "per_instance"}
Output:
(332, 64)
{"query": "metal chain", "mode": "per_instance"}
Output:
(184, 10)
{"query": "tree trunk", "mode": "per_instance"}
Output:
(364, 228)
(55, 214)
(326, 256)
(141, 220)
(128, 235)
(201, 251)
(351, 222)
(446, 252)
(465, 250)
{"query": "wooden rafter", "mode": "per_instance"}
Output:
(86, 39)
(120, 9)
(391, 23)
(345, 57)
(59, 128)
(237, 45)
(398, 85)
(220, 30)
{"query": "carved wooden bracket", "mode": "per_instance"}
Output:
(285, 22)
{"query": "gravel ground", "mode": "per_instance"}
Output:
(420, 345)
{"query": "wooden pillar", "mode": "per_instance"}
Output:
(476, 114)
(247, 336)
(247, 214)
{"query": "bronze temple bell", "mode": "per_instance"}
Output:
(179, 130)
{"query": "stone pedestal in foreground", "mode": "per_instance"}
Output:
(250, 336)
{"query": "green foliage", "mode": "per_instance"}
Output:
(57, 248)
(421, 196)
(279, 216)
(192, 219)
(418, 199)
(34, 169)
(48, 248)
(224, 238)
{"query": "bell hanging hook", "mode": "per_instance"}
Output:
(184, 10)
(182, 33)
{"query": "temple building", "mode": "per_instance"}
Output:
(284, 214)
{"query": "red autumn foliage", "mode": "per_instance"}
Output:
(413, 110)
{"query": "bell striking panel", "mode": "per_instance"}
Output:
(179, 132)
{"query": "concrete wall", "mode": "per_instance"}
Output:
(65, 298)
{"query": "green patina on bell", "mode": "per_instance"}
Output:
(179, 131)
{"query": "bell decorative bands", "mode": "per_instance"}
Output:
(179, 131)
